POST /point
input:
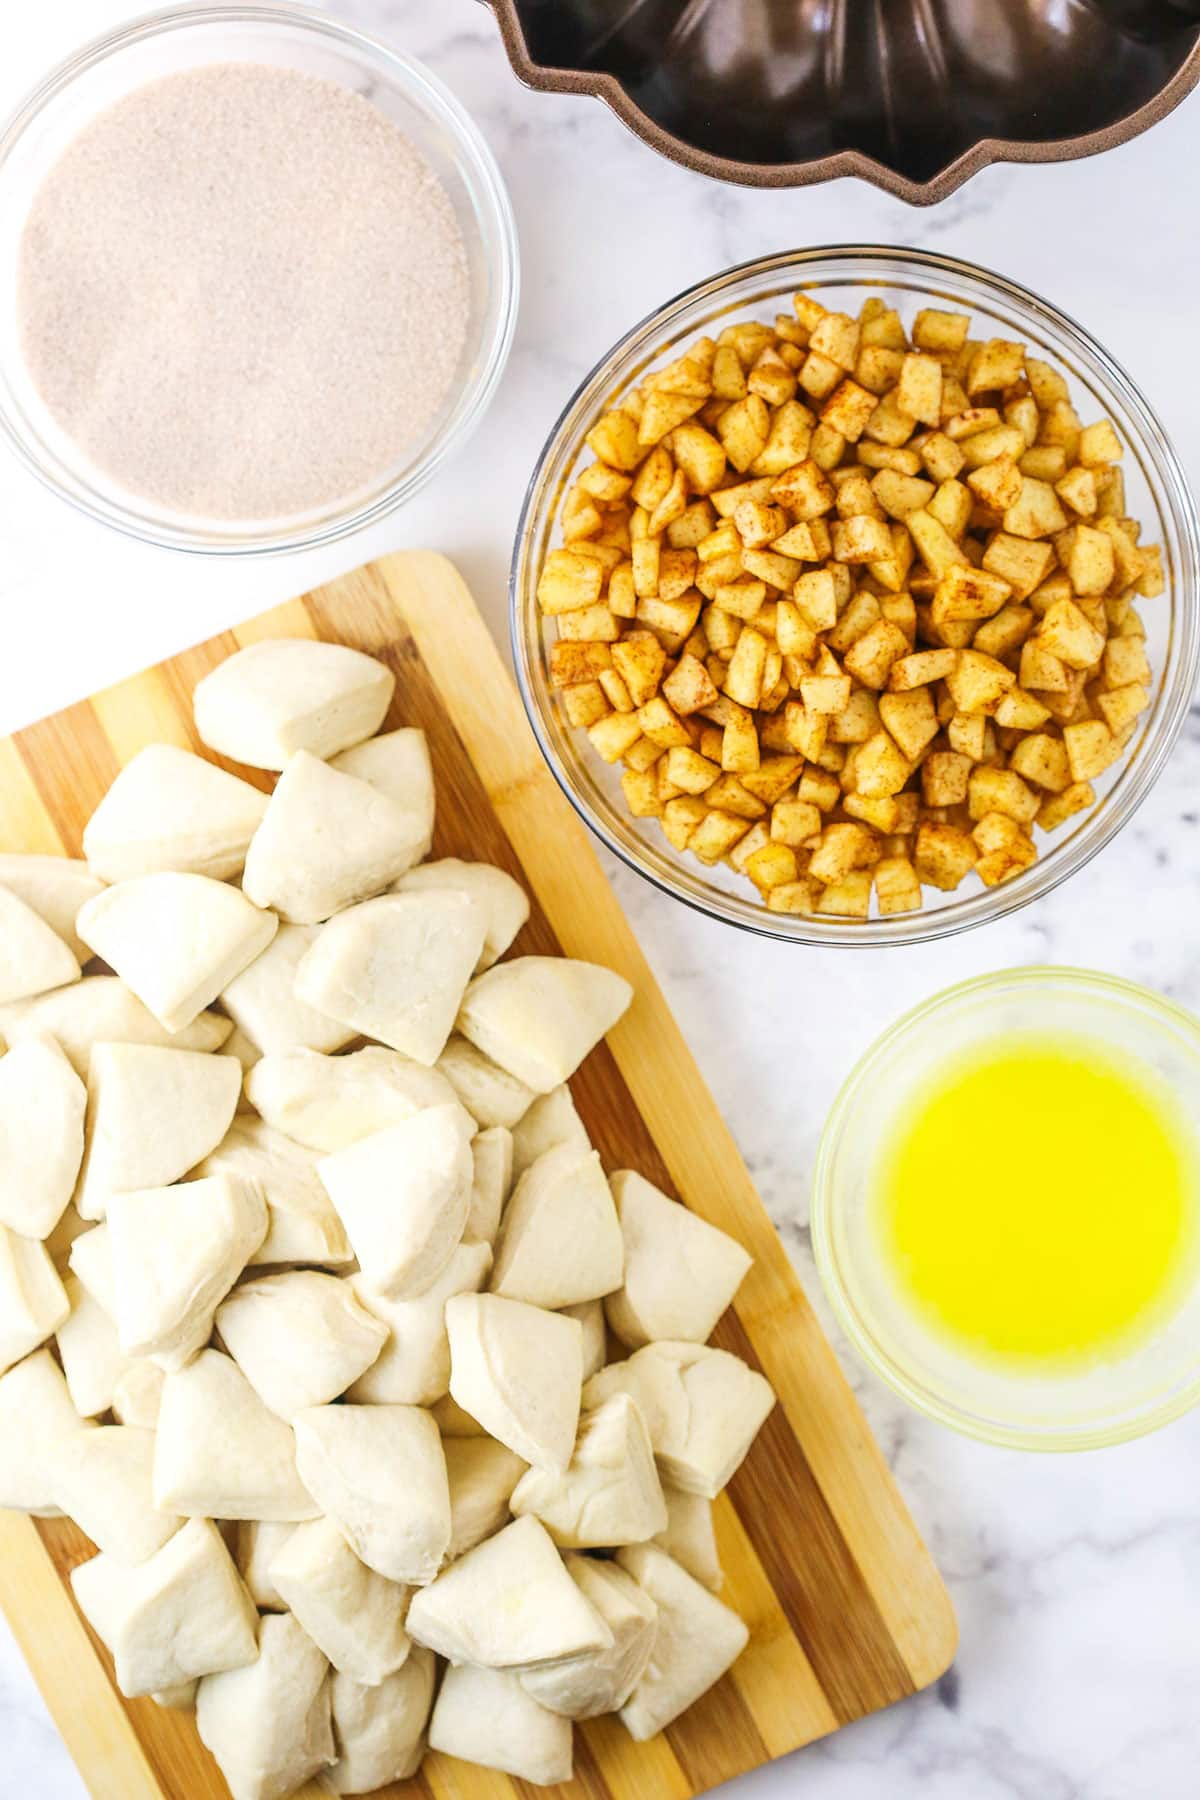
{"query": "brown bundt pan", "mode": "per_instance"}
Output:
(913, 95)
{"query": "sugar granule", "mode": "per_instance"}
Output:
(243, 292)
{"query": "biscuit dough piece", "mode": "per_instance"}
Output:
(266, 702)
(379, 1473)
(491, 1153)
(105, 1486)
(33, 958)
(538, 1016)
(37, 1423)
(169, 809)
(485, 1716)
(354, 1616)
(42, 1107)
(560, 1239)
(262, 1001)
(397, 764)
(680, 1272)
(328, 1103)
(92, 1359)
(239, 1045)
(403, 1195)
(153, 1114)
(551, 1120)
(509, 1603)
(33, 1301)
(55, 887)
(396, 969)
(482, 1475)
(102, 1595)
(100, 1009)
(690, 1538)
(610, 1493)
(584, 1687)
(504, 901)
(302, 1225)
(300, 1338)
(413, 1368)
(519, 1371)
(182, 1613)
(268, 1725)
(698, 1639)
(453, 1422)
(257, 1542)
(220, 1454)
(90, 1258)
(137, 1394)
(380, 1731)
(327, 841)
(176, 1252)
(58, 1244)
(62, 1240)
(703, 1409)
(490, 1094)
(180, 1698)
(176, 940)
(590, 1314)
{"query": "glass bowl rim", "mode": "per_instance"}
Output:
(1180, 671)
(470, 149)
(883, 1361)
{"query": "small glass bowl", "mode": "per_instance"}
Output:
(842, 278)
(1104, 1403)
(184, 37)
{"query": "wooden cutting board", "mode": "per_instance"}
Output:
(847, 1612)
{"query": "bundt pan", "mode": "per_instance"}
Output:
(914, 95)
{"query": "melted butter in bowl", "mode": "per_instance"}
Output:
(1006, 1210)
(1038, 1205)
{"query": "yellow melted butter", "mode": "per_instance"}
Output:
(1038, 1202)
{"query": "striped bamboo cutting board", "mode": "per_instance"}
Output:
(846, 1610)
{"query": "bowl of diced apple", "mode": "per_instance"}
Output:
(854, 597)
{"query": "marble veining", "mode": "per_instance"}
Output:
(1076, 1578)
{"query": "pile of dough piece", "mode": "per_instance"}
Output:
(391, 1414)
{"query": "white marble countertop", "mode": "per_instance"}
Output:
(1076, 1579)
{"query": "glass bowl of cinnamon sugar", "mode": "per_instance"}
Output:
(259, 279)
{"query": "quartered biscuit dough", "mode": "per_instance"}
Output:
(327, 840)
(42, 1108)
(176, 940)
(538, 1016)
(274, 698)
(328, 1103)
(403, 1195)
(169, 809)
(519, 1371)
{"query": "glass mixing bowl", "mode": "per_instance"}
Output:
(844, 277)
(1102, 1403)
(165, 43)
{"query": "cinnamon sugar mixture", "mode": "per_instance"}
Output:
(243, 292)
